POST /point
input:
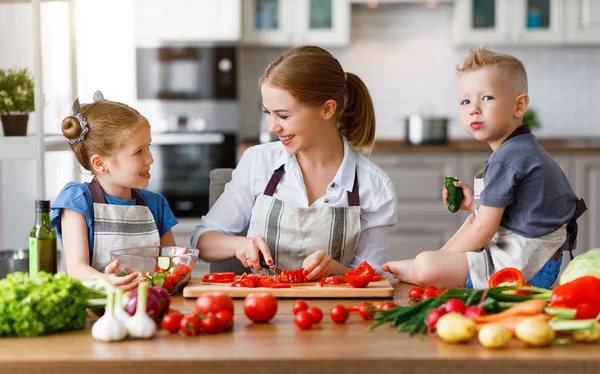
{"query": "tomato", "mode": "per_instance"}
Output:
(429, 288)
(260, 307)
(360, 276)
(209, 324)
(415, 293)
(171, 322)
(189, 325)
(224, 320)
(331, 280)
(315, 314)
(338, 314)
(385, 305)
(376, 278)
(365, 310)
(225, 277)
(303, 320)
(438, 292)
(428, 295)
(214, 302)
(299, 305)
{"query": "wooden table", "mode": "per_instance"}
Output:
(279, 347)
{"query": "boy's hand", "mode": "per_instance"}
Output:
(468, 196)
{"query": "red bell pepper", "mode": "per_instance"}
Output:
(360, 276)
(508, 277)
(331, 280)
(582, 294)
(226, 277)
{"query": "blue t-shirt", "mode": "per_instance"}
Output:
(78, 197)
(522, 177)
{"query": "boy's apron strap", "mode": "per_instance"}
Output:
(572, 227)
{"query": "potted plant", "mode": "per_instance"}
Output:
(16, 100)
(530, 119)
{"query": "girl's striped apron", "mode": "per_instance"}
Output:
(293, 233)
(120, 226)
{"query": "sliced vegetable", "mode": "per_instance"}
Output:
(360, 276)
(226, 277)
(164, 262)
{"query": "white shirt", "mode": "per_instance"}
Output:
(378, 201)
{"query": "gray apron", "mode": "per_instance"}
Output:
(293, 233)
(120, 226)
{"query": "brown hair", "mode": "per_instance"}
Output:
(509, 66)
(313, 76)
(110, 124)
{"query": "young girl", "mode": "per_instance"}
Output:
(112, 141)
(312, 199)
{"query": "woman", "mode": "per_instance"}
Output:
(311, 199)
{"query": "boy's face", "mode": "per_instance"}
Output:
(488, 106)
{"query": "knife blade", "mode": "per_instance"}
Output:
(272, 268)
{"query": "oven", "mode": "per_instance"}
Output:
(182, 165)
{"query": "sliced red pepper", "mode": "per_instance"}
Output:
(244, 283)
(331, 280)
(376, 277)
(226, 277)
(360, 276)
(582, 294)
(507, 277)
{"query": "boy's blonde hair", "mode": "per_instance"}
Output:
(510, 67)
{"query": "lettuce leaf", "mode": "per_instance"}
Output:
(587, 263)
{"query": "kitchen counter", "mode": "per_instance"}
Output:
(580, 145)
(279, 347)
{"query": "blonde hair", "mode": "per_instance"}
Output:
(510, 67)
(313, 76)
(110, 124)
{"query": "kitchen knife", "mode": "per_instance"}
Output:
(272, 268)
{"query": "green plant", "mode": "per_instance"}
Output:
(16, 91)
(530, 119)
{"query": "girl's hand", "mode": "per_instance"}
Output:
(248, 254)
(468, 196)
(318, 265)
(128, 282)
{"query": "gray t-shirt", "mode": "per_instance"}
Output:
(521, 176)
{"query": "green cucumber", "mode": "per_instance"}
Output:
(455, 194)
(164, 262)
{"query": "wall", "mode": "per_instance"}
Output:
(404, 53)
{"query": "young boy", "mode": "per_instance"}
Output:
(523, 209)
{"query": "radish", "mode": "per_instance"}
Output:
(455, 306)
(433, 317)
(474, 311)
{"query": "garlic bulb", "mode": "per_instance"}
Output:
(141, 325)
(108, 328)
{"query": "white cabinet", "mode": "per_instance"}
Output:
(509, 22)
(587, 186)
(158, 21)
(582, 21)
(296, 22)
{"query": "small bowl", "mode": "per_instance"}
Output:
(167, 267)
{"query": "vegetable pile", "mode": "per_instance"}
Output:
(44, 304)
(169, 274)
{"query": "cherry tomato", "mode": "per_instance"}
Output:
(260, 307)
(385, 305)
(189, 325)
(315, 314)
(364, 312)
(214, 302)
(303, 320)
(299, 305)
(428, 295)
(171, 322)
(224, 320)
(209, 324)
(415, 293)
(429, 288)
(338, 314)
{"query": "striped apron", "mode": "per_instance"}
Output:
(120, 226)
(293, 233)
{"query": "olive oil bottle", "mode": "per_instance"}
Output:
(42, 241)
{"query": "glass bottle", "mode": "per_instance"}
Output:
(42, 241)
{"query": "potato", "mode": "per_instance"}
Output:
(455, 328)
(588, 337)
(494, 336)
(535, 332)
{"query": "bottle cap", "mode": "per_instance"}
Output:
(42, 205)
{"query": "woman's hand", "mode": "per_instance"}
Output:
(318, 265)
(248, 254)
(128, 282)
(468, 196)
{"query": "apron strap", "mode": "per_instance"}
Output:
(98, 194)
(572, 227)
(353, 196)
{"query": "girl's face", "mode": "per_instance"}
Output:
(130, 167)
(296, 125)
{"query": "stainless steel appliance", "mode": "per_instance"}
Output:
(182, 165)
(12, 260)
(422, 130)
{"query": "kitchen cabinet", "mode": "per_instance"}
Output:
(582, 21)
(509, 22)
(587, 186)
(159, 21)
(288, 23)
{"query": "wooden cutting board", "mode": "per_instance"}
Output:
(380, 289)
